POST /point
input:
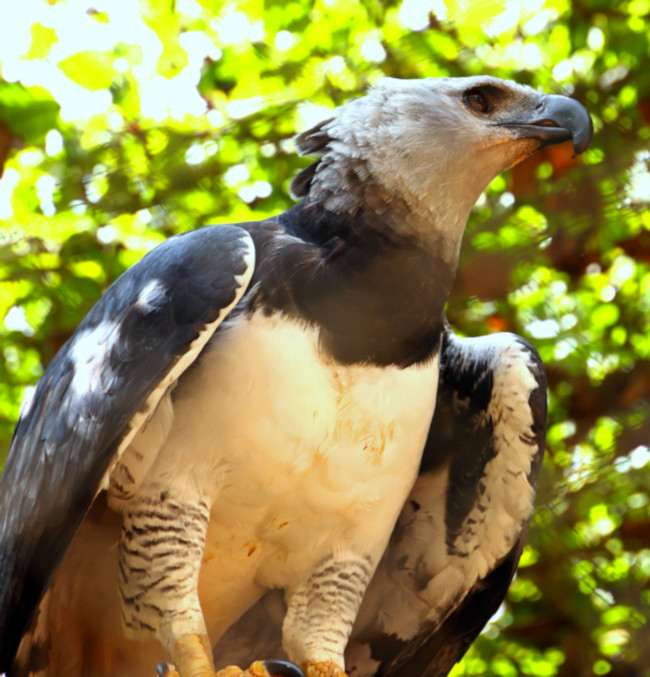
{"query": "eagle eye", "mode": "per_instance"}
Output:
(476, 99)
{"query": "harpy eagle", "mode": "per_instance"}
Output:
(250, 408)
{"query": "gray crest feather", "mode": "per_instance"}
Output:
(313, 141)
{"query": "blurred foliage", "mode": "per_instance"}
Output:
(122, 123)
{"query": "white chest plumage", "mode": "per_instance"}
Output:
(298, 456)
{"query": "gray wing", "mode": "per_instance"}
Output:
(457, 543)
(440, 581)
(136, 341)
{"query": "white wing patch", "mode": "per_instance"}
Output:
(494, 524)
(88, 352)
(508, 498)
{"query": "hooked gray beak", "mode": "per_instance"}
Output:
(556, 119)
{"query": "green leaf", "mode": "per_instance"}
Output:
(605, 315)
(90, 69)
(43, 37)
(30, 112)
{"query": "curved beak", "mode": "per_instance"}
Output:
(556, 119)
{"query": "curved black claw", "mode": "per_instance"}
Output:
(163, 669)
(282, 669)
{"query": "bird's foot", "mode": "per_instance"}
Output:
(235, 671)
(191, 656)
(323, 669)
(257, 669)
(263, 669)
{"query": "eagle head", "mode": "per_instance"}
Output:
(428, 148)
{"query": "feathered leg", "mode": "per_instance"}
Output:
(321, 612)
(161, 548)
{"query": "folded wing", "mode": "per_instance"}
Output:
(149, 326)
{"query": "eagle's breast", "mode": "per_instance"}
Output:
(327, 452)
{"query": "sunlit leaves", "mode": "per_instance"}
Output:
(30, 112)
(90, 69)
(179, 114)
(166, 24)
(43, 37)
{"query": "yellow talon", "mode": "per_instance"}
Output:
(193, 659)
(323, 669)
(257, 669)
(230, 671)
(192, 656)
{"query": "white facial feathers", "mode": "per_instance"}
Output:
(419, 144)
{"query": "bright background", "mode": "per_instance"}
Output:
(123, 122)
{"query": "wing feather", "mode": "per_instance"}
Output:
(136, 341)
(456, 547)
